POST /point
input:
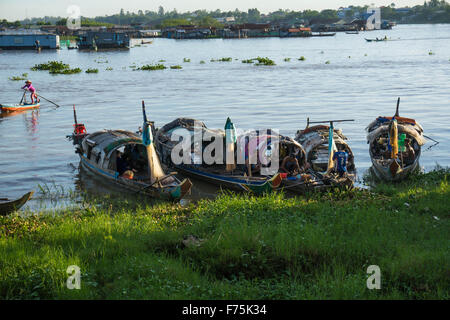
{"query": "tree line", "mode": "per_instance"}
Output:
(433, 11)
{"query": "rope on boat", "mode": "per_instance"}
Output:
(435, 142)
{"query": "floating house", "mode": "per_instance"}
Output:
(189, 32)
(103, 39)
(295, 32)
(23, 40)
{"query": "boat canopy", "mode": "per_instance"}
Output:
(104, 143)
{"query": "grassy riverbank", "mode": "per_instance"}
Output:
(272, 247)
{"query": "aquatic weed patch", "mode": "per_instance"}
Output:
(150, 67)
(56, 67)
(227, 59)
(264, 62)
(93, 70)
(18, 78)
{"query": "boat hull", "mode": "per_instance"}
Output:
(168, 193)
(257, 186)
(18, 107)
(11, 206)
(384, 172)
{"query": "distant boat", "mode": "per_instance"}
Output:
(377, 40)
(323, 34)
(8, 206)
(387, 136)
(18, 107)
(352, 32)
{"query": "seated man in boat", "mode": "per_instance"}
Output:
(290, 165)
(30, 88)
(408, 155)
(122, 164)
(341, 158)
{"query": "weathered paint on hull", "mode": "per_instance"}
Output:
(11, 206)
(384, 172)
(15, 108)
(171, 193)
(233, 184)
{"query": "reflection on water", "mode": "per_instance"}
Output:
(362, 82)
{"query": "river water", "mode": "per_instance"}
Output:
(361, 81)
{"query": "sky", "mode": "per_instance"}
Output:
(21, 9)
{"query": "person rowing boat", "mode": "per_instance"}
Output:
(29, 87)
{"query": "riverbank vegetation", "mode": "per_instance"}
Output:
(433, 11)
(317, 246)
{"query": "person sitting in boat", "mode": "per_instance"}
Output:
(290, 165)
(341, 158)
(28, 86)
(408, 155)
(122, 164)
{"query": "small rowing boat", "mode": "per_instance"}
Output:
(18, 107)
(322, 34)
(395, 146)
(8, 206)
(377, 40)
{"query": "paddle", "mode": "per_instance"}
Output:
(23, 96)
(48, 100)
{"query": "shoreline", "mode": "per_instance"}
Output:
(238, 247)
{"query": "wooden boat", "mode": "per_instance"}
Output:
(394, 146)
(18, 107)
(238, 178)
(377, 40)
(316, 141)
(322, 34)
(128, 160)
(8, 206)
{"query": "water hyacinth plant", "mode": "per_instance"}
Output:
(56, 67)
(302, 58)
(18, 78)
(150, 67)
(93, 70)
(186, 60)
(287, 59)
(176, 67)
(264, 62)
(248, 61)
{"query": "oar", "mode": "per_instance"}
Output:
(23, 96)
(48, 100)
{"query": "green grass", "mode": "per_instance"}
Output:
(271, 247)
